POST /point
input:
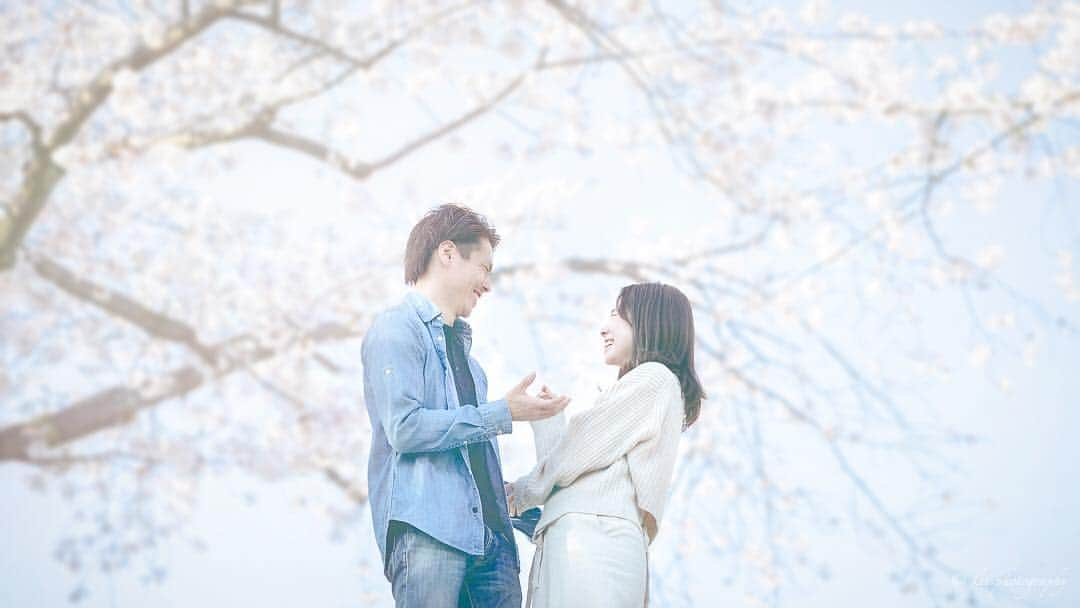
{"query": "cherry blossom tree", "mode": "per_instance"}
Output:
(152, 330)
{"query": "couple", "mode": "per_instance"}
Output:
(441, 510)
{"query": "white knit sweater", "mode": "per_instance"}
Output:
(616, 458)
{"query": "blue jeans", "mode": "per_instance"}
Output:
(426, 573)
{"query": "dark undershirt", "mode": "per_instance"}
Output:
(481, 455)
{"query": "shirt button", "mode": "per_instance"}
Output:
(474, 509)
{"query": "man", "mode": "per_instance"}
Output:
(434, 476)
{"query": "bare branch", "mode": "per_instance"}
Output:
(658, 102)
(638, 270)
(932, 180)
(44, 174)
(29, 123)
(118, 305)
(917, 553)
(476, 112)
(118, 405)
(616, 50)
(95, 93)
(273, 25)
(64, 462)
(260, 129)
(354, 492)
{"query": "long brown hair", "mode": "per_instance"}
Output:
(663, 326)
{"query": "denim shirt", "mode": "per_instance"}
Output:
(418, 465)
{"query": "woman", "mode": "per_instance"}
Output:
(604, 477)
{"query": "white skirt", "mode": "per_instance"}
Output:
(590, 560)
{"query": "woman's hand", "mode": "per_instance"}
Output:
(510, 503)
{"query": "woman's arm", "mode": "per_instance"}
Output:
(547, 432)
(594, 439)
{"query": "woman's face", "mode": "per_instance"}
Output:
(618, 339)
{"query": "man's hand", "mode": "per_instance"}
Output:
(524, 406)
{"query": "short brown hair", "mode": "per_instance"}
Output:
(447, 222)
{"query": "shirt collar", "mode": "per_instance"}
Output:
(428, 312)
(423, 306)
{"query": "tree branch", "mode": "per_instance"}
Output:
(357, 494)
(260, 129)
(637, 270)
(117, 405)
(43, 173)
(917, 553)
(123, 307)
(932, 180)
(29, 123)
(273, 25)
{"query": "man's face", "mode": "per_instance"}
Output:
(471, 276)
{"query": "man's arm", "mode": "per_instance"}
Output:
(394, 369)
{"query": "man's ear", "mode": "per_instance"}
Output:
(447, 249)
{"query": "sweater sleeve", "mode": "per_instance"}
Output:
(547, 433)
(596, 438)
